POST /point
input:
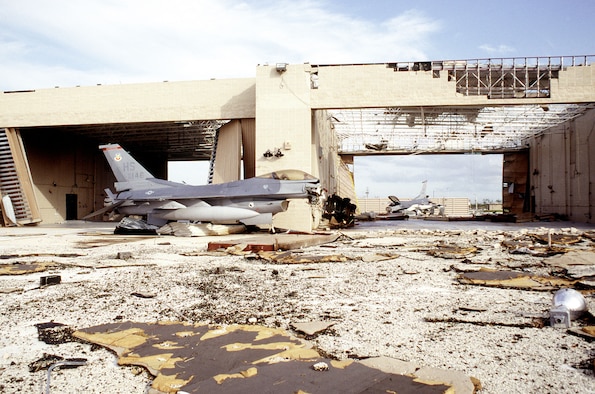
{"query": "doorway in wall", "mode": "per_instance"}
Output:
(71, 206)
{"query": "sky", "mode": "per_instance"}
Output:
(67, 43)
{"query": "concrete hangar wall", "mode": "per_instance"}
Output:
(287, 103)
(561, 176)
(58, 132)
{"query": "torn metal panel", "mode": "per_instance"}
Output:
(589, 235)
(275, 242)
(375, 257)
(587, 332)
(453, 251)
(312, 328)
(299, 258)
(516, 280)
(301, 377)
(97, 242)
(563, 239)
(135, 227)
(25, 268)
(536, 323)
(243, 358)
(528, 247)
(577, 263)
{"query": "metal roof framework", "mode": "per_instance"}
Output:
(459, 129)
(417, 130)
(186, 140)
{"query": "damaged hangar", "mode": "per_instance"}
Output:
(539, 112)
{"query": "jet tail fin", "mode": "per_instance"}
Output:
(422, 192)
(124, 166)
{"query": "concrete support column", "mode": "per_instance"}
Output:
(229, 153)
(284, 131)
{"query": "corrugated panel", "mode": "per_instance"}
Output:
(15, 177)
(455, 206)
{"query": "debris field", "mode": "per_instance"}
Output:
(406, 308)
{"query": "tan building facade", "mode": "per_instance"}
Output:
(283, 109)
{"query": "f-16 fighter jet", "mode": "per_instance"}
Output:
(249, 201)
(419, 205)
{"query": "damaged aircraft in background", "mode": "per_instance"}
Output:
(250, 201)
(419, 205)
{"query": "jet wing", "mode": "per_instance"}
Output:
(103, 210)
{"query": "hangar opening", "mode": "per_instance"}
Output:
(68, 172)
(463, 183)
(522, 137)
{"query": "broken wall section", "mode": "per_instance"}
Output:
(335, 175)
(562, 169)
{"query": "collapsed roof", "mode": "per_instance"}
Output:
(407, 130)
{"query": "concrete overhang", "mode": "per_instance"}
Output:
(130, 103)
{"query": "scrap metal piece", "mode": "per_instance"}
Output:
(589, 235)
(54, 333)
(272, 242)
(587, 332)
(553, 238)
(49, 280)
(453, 251)
(135, 226)
(312, 328)
(528, 247)
(180, 229)
(514, 280)
(298, 258)
(72, 362)
(143, 294)
(44, 362)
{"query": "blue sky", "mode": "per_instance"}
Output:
(66, 43)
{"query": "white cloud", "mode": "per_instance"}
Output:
(501, 49)
(68, 43)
